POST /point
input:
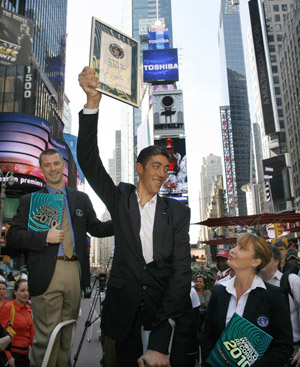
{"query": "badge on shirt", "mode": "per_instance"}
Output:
(79, 213)
(262, 321)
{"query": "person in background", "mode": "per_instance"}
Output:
(247, 295)
(7, 313)
(224, 270)
(5, 340)
(203, 294)
(272, 275)
(23, 326)
(283, 248)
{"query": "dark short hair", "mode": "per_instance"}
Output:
(280, 243)
(276, 253)
(4, 283)
(50, 152)
(18, 282)
(150, 151)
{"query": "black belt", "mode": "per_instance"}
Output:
(65, 258)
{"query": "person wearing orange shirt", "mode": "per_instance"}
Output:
(23, 326)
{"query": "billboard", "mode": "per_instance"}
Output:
(158, 39)
(274, 173)
(22, 139)
(15, 38)
(176, 183)
(160, 66)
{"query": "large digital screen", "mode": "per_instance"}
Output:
(160, 66)
(15, 38)
(273, 174)
(22, 139)
(158, 39)
(176, 182)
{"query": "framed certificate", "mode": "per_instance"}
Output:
(116, 59)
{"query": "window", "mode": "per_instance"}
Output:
(284, 7)
(274, 69)
(280, 112)
(270, 37)
(275, 7)
(273, 58)
(277, 91)
(276, 79)
(272, 48)
(279, 37)
(277, 17)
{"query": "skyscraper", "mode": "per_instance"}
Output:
(236, 123)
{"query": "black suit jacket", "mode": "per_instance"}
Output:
(269, 303)
(161, 288)
(41, 258)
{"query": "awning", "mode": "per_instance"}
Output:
(252, 220)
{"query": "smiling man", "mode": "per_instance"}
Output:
(147, 310)
(58, 260)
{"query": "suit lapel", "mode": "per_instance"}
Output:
(252, 302)
(160, 223)
(71, 201)
(135, 218)
(223, 307)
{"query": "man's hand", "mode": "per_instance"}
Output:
(4, 341)
(154, 359)
(11, 362)
(55, 235)
(89, 81)
(296, 360)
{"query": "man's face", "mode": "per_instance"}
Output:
(222, 263)
(52, 167)
(154, 174)
(283, 252)
(270, 269)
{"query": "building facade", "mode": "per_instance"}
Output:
(235, 118)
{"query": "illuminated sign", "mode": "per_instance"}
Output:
(160, 66)
(229, 160)
(176, 183)
(158, 38)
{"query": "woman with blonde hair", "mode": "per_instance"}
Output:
(247, 295)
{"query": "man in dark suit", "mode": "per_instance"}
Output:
(147, 310)
(58, 260)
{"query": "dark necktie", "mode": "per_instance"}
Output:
(67, 242)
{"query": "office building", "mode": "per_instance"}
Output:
(234, 113)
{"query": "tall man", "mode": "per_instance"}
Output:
(147, 310)
(271, 274)
(58, 260)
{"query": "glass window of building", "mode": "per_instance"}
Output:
(277, 17)
(279, 37)
(270, 37)
(276, 79)
(273, 58)
(284, 7)
(272, 48)
(275, 7)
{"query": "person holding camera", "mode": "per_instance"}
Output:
(58, 260)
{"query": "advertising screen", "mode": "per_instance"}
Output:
(15, 38)
(160, 66)
(22, 139)
(158, 39)
(273, 174)
(176, 182)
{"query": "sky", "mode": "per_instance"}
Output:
(195, 34)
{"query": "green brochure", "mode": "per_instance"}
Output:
(241, 344)
(46, 210)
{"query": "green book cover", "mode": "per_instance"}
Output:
(46, 210)
(241, 344)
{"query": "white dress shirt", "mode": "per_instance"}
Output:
(294, 281)
(239, 307)
(147, 213)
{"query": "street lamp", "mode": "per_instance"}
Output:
(10, 180)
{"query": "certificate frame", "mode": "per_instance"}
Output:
(116, 59)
